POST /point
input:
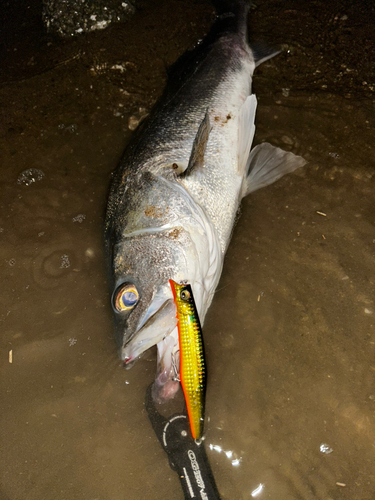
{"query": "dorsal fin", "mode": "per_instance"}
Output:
(199, 147)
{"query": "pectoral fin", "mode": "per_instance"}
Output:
(266, 164)
(246, 130)
(199, 147)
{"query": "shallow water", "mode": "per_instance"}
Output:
(290, 335)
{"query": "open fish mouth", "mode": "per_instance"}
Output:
(154, 330)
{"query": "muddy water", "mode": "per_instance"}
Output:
(290, 336)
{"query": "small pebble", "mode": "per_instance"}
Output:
(79, 218)
(287, 140)
(65, 262)
(29, 176)
(89, 253)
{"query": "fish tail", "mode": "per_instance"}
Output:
(232, 15)
(235, 7)
(232, 18)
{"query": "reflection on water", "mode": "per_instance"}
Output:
(290, 336)
(234, 460)
(258, 490)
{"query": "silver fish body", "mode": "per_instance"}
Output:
(175, 195)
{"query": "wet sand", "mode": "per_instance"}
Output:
(290, 335)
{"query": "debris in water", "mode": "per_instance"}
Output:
(341, 484)
(11, 356)
(325, 448)
(321, 213)
(71, 128)
(29, 176)
(68, 18)
(368, 311)
(137, 118)
(79, 218)
(72, 341)
(90, 253)
(65, 262)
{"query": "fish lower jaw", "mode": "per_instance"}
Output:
(128, 357)
(128, 362)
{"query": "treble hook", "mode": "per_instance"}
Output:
(176, 377)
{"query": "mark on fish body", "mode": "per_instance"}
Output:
(152, 211)
(175, 233)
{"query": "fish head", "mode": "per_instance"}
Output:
(142, 300)
(160, 236)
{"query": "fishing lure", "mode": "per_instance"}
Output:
(192, 362)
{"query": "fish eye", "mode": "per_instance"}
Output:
(185, 295)
(126, 297)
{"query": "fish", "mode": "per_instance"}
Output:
(175, 195)
(193, 371)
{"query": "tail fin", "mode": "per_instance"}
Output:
(232, 16)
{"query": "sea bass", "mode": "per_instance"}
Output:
(176, 192)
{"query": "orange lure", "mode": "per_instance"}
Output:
(192, 362)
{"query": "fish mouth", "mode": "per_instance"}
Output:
(167, 381)
(154, 330)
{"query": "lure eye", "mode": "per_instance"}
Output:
(126, 298)
(185, 295)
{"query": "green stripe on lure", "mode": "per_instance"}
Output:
(192, 362)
